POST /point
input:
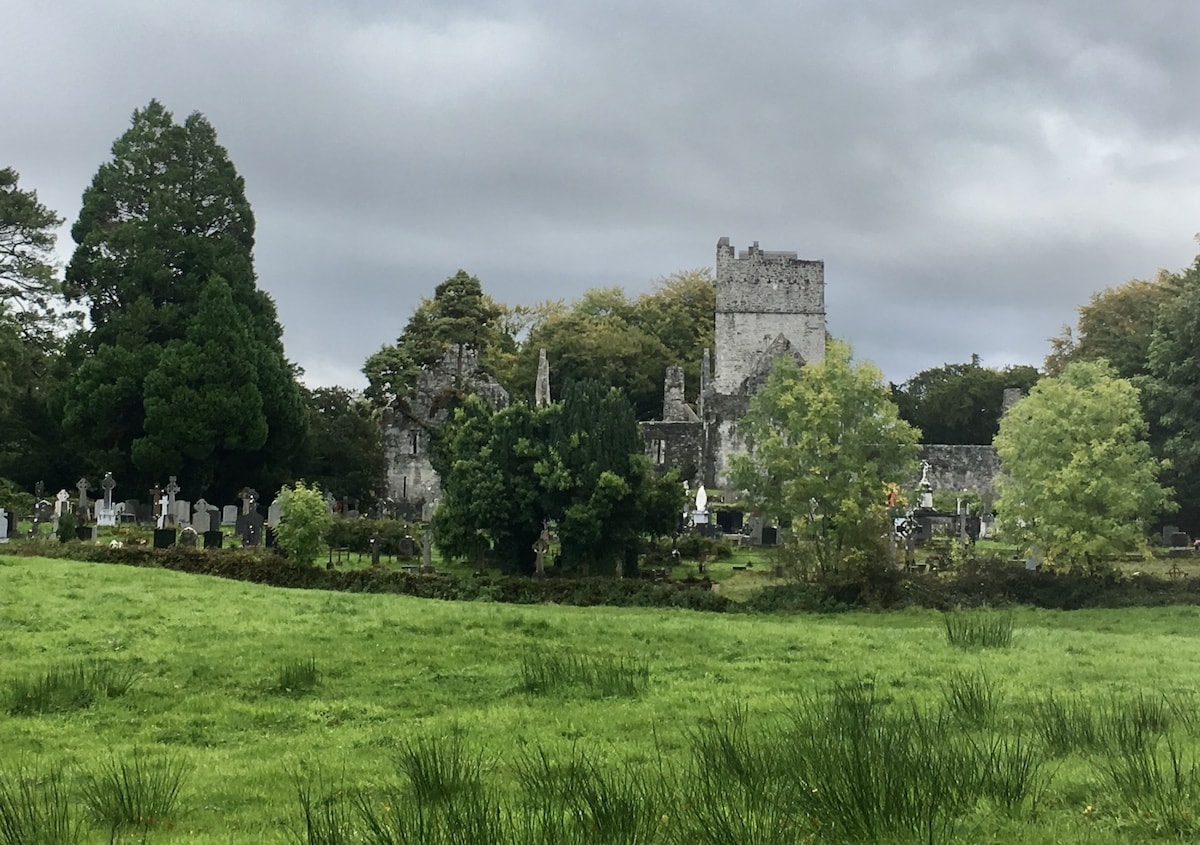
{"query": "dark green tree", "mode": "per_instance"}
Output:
(959, 403)
(32, 363)
(344, 454)
(491, 491)
(578, 462)
(161, 221)
(29, 285)
(1171, 394)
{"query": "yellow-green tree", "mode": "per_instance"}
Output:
(1079, 481)
(824, 441)
(304, 519)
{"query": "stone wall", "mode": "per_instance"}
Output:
(971, 469)
(408, 421)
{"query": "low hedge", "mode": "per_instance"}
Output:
(985, 583)
(262, 567)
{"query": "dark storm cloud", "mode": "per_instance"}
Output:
(970, 172)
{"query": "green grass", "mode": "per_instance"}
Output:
(421, 723)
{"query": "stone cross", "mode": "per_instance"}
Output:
(249, 497)
(39, 489)
(164, 510)
(172, 489)
(81, 509)
(108, 484)
(155, 494)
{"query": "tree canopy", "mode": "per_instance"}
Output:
(1079, 482)
(824, 441)
(184, 370)
(1116, 326)
(624, 343)
(959, 403)
(459, 314)
(578, 462)
(344, 455)
(1171, 392)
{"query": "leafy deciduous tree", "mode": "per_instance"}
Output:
(824, 440)
(1116, 325)
(1078, 477)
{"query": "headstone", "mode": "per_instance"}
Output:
(106, 513)
(407, 547)
(213, 539)
(200, 517)
(156, 497)
(131, 511)
(82, 511)
(60, 502)
(143, 513)
(164, 538)
(1168, 531)
(187, 537)
(249, 497)
(770, 535)
(229, 515)
(86, 533)
(3, 526)
(273, 513)
(164, 511)
(171, 490)
(182, 512)
(250, 529)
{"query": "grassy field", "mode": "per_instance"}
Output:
(154, 706)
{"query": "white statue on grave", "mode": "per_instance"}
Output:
(700, 515)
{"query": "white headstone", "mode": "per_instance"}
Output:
(229, 515)
(273, 513)
(183, 512)
(3, 526)
(60, 502)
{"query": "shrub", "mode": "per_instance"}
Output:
(303, 520)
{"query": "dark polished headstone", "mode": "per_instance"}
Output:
(213, 539)
(164, 538)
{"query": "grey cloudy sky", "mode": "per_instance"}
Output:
(970, 172)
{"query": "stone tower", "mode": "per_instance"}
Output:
(769, 304)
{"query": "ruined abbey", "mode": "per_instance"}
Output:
(768, 304)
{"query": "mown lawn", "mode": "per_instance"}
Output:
(698, 711)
